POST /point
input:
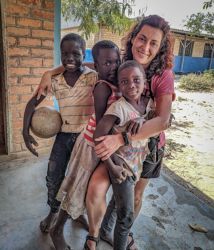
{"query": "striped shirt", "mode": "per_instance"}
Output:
(75, 103)
(91, 126)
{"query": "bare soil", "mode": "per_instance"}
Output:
(190, 142)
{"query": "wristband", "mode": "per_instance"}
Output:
(125, 138)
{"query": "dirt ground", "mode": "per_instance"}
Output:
(190, 142)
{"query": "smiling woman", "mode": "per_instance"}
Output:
(146, 45)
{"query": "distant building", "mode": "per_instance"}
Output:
(193, 53)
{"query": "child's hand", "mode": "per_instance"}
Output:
(118, 173)
(29, 140)
(133, 126)
(117, 170)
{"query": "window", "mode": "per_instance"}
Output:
(188, 50)
(207, 50)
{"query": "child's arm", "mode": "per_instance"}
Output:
(30, 108)
(103, 128)
(101, 94)
(45, 83)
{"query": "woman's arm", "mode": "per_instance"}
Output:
(109, 144)
(29, 110)
(45, 83)
(160, 122)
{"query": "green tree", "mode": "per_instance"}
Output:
(200, 22)
(93, 14)
(208, 4)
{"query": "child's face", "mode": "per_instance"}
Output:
(107, 64)
(71, 55)
(131, 83)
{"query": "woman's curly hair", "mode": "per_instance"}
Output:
(164, 58)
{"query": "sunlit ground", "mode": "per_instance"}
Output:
(191, 140)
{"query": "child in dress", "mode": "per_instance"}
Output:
(83, 159)
(74, 91)
(130, 106)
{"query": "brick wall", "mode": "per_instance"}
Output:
(105, 35)
(29, 36)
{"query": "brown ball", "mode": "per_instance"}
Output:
(46, 122)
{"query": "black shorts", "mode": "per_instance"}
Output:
(152, 169)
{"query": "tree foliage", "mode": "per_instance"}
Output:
(93, 14)
(200, 22)
(208, 4)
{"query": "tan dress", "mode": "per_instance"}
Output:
(83, 162)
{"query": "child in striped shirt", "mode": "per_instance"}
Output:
(73, 89)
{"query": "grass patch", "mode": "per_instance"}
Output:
(203, 82)
(181, 99)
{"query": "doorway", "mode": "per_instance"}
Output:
(3, 148)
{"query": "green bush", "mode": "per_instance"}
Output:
(203, 82)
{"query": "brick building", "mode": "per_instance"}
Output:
(27, 34)
(193, 53)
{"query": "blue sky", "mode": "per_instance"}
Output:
(174, 11)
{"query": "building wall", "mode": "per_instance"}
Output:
(89, 42)
(105, 35)
(28, 42)
(196, 62)
(176, 46)
(198, 48)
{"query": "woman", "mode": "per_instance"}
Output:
(149, 43)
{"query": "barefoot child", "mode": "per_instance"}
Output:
(83, 158)
(130, 106)
(73, 90)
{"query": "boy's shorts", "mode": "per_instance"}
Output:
(152, 169)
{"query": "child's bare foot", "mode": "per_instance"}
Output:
(48, 222)
(58, 239)
(82, 219)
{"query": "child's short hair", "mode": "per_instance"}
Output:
(104, 44)
(76, 38)
(132, 64)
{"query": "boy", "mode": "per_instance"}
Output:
(73, 90)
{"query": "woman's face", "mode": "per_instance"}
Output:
(146, 45)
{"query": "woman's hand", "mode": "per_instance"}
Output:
(108, 145)
(44, 86)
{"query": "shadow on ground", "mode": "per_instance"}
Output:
(163, 222)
